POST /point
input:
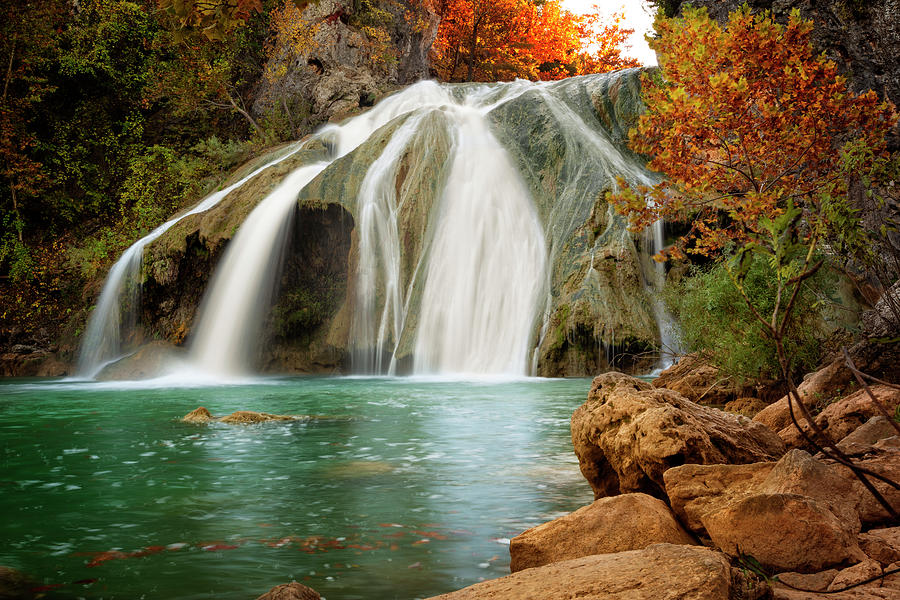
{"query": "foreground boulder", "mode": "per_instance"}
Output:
(832, 584)
(882, 545)
(698, 490)
(614, 524)
(783, 532)
(629, 433)
(659, 571)
(883, 459)
(291, 591)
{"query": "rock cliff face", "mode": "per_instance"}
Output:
(358, 52)
(566, 142)
(861, 36)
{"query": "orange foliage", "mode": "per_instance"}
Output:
(495, 40)
(748, 124)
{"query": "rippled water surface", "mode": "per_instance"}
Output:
(394, 488)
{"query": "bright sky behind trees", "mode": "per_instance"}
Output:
(638, 16)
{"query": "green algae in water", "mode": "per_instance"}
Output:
(400, 488)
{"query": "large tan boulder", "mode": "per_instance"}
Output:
(827, 584)
(628, 433)
(821, 386)
(613, 524)
(867, 435)
(785, 532)
(697, 490)
(703, 383)
(884, 459)
(660, 572)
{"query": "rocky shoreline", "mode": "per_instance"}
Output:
(696, 502)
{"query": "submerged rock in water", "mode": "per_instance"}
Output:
(15, 585)
(198, 415)
(614, 524)
(659, 571)
(244, 417)
(291, 591)
(239, 417)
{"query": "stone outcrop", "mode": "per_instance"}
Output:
(882, 545)
(353, 57)
(613, 524)
(628, 434)
(883, 459)
(600, 315)
(703, 383)
(599, 310)
(862, 439)
(830, 581)
(695, 490)
(659, 571)
(291, 591)
(698, 490)
(820, 387)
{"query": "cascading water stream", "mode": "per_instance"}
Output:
(232, 313)
(655, 273)
(120, 298)
(483, 267)
(242, 287)
(487, 266)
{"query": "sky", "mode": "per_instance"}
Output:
(638, 16)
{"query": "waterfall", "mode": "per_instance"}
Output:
(120, 299)
(241, 290)
(487, 266)
(471, 208)
(655, 274)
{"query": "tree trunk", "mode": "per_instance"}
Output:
(473, 46)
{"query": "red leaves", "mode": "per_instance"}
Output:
(496, 40)
(742, 121)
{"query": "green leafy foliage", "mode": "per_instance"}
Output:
(717, 323)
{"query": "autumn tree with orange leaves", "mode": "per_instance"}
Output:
(757, 137)
(497, 40)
